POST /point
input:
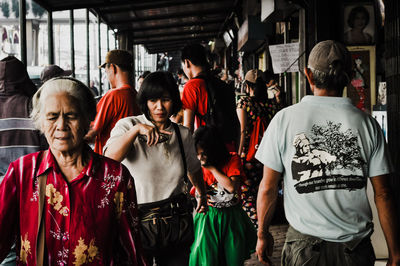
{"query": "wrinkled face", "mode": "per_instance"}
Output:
(62, 123)
(160, 109)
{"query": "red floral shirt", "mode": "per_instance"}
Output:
(91, 220)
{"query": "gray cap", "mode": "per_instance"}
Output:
(325, 53)
(52, 71)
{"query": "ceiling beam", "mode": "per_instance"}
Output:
(164, 49)
(153, 46)
(161, 51)
(214, 31)
(155, 5)
(173, 25)
(89, 4)
(44, 4)
(167, 43)
(185, 14)
(158, 40)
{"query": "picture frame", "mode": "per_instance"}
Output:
(358, 22)
(362, 88)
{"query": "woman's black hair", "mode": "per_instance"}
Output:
(211, 142)
(353, 13)
(144, 74)
(154, 86)
(269, 75)
(259, 88)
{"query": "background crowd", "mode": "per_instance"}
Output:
(128, 201)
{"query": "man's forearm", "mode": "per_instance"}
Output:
(188, 119)
(266, 203)
(389, 222)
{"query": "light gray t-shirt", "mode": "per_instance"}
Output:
(326, 149)
(158, 169)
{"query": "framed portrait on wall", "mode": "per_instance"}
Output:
(362, 88)
(359, 24)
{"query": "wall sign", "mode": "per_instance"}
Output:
(285, 57)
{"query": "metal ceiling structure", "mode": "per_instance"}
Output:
(160, 25)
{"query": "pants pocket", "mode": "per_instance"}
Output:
(301, 253)
(363, 254)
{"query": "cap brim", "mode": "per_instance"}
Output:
(103, 65)
(67, 73)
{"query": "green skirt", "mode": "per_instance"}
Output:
(223, 236)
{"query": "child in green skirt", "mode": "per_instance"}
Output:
(224, 235)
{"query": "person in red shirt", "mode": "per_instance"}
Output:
(194, 96)
(68, 205)
(117, 103)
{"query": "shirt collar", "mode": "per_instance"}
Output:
(148, 122)
(45, 160)
(48, 161)
(325, 100)
(124, 87)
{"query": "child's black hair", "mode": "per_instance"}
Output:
(213, 146)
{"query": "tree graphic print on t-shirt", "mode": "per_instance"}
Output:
(327, 159)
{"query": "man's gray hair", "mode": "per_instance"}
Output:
(83, 95)
(335, 79)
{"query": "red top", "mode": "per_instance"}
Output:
(232, 168)
(87, 221)
(217, 196)
(194, 97)
(114, 105)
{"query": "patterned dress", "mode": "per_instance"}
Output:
(253, 169)
(91, 220)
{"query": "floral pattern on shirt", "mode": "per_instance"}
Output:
(55, 198)
(83, 253)
(25, 249)
(256, 109)
(119, 202)
(110, 182)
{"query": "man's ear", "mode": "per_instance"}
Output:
(309, 76)
(187, 63)
(114, 68)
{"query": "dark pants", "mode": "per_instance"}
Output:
(305, 250)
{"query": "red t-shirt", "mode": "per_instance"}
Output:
(233, 167)
(194, 97)
(114, 105)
